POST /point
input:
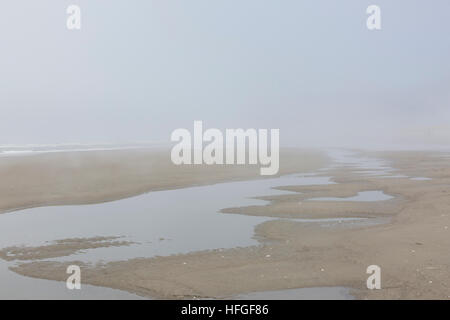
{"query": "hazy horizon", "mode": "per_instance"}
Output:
(136, 72)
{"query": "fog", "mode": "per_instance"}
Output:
(137, 70)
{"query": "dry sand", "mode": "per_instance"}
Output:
(412, 249)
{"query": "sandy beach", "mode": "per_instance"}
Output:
(408, 236)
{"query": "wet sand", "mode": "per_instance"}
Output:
(60, 248)
(411, 249)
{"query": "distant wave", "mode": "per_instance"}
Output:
(11, 150)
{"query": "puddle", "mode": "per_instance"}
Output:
(362, 165)
(361, 196)
(351, 159)
(317, 293)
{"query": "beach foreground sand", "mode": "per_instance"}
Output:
(411, 246)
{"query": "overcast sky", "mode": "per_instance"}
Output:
(138, 69)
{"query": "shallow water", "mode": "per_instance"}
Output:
(162, 223)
